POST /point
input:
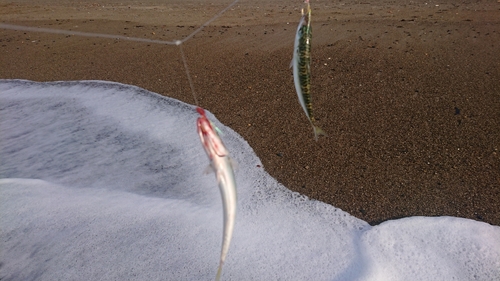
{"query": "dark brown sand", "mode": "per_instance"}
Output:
(409, 94)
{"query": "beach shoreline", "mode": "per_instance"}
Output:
(409, 94)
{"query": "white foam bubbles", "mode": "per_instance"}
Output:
(105, 181)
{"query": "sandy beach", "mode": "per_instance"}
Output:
(409, 93)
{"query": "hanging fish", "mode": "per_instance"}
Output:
(222, 165)
(301, 64)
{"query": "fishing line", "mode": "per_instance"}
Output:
(179, 43)
(112, 36)
(209, 21)
(188, 75)
(127, 38)
(86, 34)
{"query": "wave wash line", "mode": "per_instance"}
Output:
(218, 155)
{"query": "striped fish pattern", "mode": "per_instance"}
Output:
(301, 64)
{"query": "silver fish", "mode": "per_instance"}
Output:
(222, 165)
(301, 64)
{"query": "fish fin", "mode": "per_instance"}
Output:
(291, 63)
(234, 164)
(318, 132)
(208, 170)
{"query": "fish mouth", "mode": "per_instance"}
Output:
(200, 111)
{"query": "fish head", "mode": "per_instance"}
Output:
(209, 137)
(306, 12)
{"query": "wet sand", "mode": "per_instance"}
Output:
(409, 94)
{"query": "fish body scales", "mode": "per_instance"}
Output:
(301, 64)
(222, 165)
(304, 65)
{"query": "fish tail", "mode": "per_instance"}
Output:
(318, 131)
(219, 271)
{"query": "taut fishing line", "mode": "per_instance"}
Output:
(121, 37)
